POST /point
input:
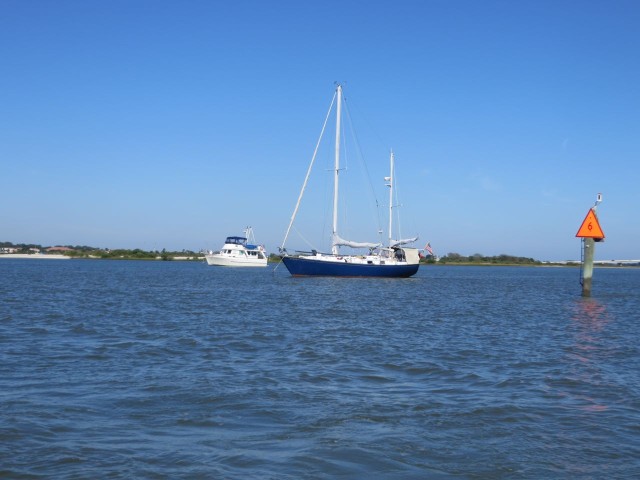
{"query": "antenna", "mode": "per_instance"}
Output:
(598, 200)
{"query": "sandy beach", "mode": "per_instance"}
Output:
(36, 256)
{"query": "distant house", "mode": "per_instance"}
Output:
(8, 250)
(59, 249)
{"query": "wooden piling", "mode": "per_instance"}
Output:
(589, 245)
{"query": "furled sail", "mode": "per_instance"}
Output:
(338, 242)
(404, 241)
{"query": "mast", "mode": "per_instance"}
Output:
(334, 248)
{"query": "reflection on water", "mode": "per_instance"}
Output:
(590, 313)
(589, 320)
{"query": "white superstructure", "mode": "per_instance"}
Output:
(236, 252)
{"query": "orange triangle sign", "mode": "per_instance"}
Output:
(590, 227)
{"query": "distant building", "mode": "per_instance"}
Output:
(59, 249)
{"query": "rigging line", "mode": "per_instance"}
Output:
(375, 133)
(306, 178)
(345, 187)
(359, 149)
(363, 162)
(398, 204)
(276, 267)
(309, 244)
(327, 204)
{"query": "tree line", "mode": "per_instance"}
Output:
(85, 251)
(479, 258)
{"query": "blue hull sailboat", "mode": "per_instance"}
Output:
(307, 265)
(390, 261)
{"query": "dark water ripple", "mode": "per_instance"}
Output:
(178, 370)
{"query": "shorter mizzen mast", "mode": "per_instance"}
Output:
(391, 183)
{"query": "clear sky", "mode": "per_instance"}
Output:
(171, 124)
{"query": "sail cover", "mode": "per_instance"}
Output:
(337, 241)
(404, 241)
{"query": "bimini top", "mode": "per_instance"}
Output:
(236, 240)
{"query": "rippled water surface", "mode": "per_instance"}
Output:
(178, 370)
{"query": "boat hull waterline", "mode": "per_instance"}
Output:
(221, 261)
(306, 267)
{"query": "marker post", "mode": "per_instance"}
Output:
(589, 246)
(590, 232)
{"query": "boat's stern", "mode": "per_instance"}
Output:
(412, 255)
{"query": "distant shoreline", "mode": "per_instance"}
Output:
(58, 256)
(36, 256)
(596, 264)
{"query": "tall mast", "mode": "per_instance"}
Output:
(334, 248)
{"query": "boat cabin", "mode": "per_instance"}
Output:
(236, 240)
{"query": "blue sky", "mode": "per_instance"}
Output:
(166, 124)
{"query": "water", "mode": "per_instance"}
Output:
(116, 369)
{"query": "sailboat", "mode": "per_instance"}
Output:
(392, 261)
